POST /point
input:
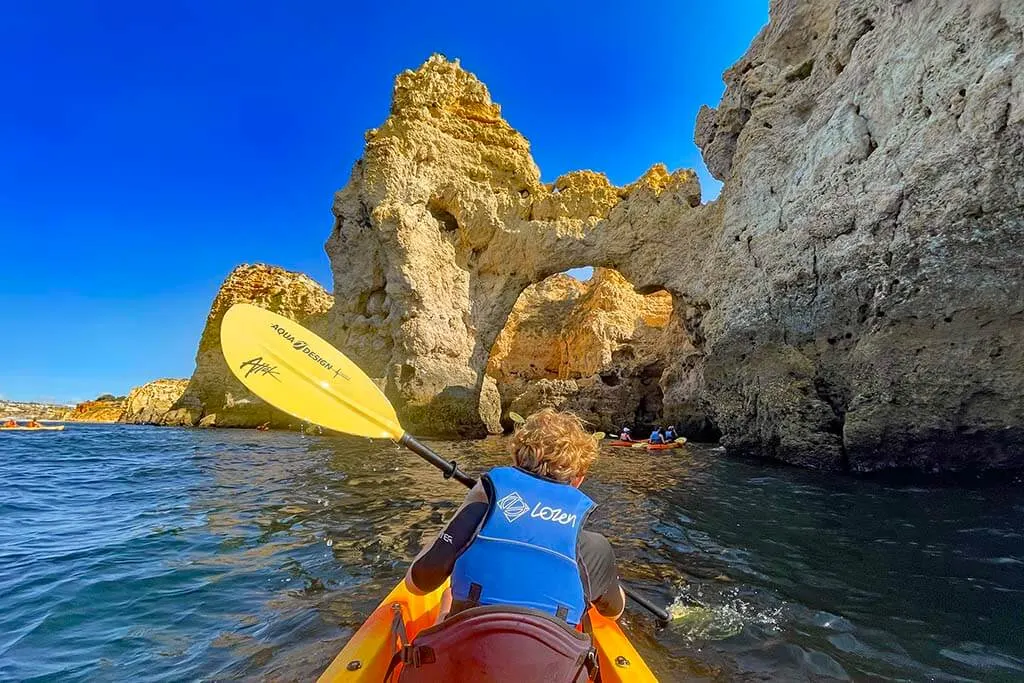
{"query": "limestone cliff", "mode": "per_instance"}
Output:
(443, 224)
(97, 411)
(852, 300)
(866, 289)
(213, 395)
(149, 403)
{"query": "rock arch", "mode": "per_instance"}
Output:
(445, 222)
(853, 295)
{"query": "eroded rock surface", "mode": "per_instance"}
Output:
(149, 403)
(213, 395)
(97, 411)
(866, 288)
(530, 345)
(443, 224)
(852, 300)
(596, 348)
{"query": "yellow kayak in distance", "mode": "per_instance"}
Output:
(368, 653)
(55, 428)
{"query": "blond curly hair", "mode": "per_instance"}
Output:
(554, 445)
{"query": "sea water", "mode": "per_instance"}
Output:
(142, 553)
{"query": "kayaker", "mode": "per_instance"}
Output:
(516, 545)
(657, 436)
(33, 424)
(625, 435)
(671, 434)
(10, 423)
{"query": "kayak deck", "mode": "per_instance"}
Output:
(57, 428)
(369, 651)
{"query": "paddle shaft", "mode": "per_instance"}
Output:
(451, 471)
(449, 468)
(658, 612)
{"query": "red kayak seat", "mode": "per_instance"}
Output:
(497, 643)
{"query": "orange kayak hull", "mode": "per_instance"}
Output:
(663, 446)
(369, 651)
(625, 444)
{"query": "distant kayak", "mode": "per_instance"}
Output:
(625, 444)
(55, 428)
(665, 446)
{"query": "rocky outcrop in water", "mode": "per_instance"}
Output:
(100, 410)
(149, 403)
(213, 395)
(851, 300)
(444, 223)
(866, 291)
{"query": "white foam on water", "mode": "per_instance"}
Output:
(702, 612)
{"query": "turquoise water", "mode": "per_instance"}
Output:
(130, 553)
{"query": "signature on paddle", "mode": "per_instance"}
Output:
(258, 367)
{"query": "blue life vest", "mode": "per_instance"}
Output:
(656, 437)
(525, 553)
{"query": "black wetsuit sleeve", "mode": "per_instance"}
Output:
(435, 565)
(597, 570)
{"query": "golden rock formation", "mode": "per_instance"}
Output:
(149, 403)
(214, 395)
(445, 221)
(97, 411)
(851, 301)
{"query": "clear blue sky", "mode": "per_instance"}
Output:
(149, 147)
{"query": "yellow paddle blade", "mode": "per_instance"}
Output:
(296, 371)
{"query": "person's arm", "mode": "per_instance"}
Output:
(435, 562)
(599, 574)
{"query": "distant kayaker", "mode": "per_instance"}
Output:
(517, 545)
(657, 436)
(33, 424)
(625, 435)
(11, 423)
(671, 434)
